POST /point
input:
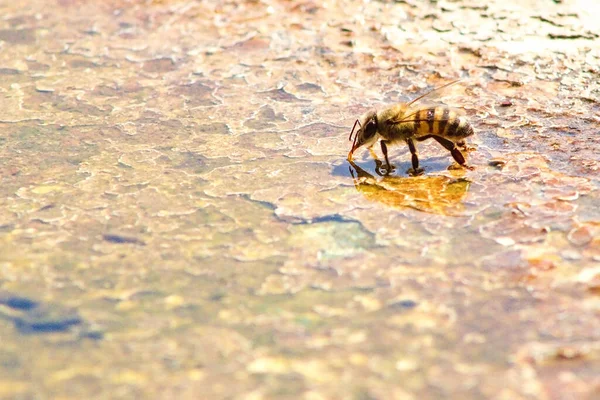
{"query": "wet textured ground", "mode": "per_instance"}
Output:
(178, 219)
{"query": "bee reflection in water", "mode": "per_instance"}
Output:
(433, 194)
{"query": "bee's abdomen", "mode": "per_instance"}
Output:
(457, 127)
(442, 121)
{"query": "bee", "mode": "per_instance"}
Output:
(411, 123)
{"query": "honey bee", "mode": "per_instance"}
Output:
(411, 123)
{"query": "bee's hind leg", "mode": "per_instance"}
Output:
(451, 146)
(389, 168)
(415, 170)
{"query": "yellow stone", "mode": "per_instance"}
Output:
(46, 189)
(269, 365)
(10, 389)
(129, 377)
(174, 301)
(196, 374)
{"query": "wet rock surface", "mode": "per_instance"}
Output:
(175, 172)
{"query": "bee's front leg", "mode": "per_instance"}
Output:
(384, 150)
(379, 170)
(415, 170)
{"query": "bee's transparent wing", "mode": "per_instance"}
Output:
(417, 105)
(434, 92)
(412, 114)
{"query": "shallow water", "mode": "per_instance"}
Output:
(178, 218)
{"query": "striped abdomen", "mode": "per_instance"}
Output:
(442, 121)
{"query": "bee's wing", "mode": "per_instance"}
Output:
(416, 105)
(412, 113)
(433, 92)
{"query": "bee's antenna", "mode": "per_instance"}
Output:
(355, 137)
(352, 131)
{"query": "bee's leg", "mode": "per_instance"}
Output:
(451, 146)
(373, 154)
(384, 150)
(378, 163)
(415, 170)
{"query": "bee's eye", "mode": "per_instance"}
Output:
(370, 129)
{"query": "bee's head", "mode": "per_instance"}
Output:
(366, 134)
